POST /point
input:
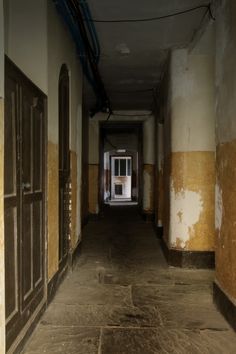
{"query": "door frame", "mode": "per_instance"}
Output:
(131, 175)
(18, 343)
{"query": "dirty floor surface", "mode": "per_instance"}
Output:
(122, 298)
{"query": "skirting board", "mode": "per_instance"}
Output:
(188, 259)
(226, 307)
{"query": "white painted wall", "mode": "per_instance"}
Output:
(193, 95)
(149, 140)
(26, 37)
(192, 124)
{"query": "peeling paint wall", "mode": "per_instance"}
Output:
(189, 156)
(192, 201)
(226, 147)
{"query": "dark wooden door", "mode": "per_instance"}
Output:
(64, 166)
(23, 199)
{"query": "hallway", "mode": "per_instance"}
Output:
(123, 298)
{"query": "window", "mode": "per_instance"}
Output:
(122, 167)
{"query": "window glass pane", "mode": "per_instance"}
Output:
(129, 167)
(123, 167)
(116, 167)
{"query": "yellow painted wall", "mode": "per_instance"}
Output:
(226, 148)
(187, 106)
(52, 205)
(148, 188)
(192, 201)
(74, 181)
(226, 217)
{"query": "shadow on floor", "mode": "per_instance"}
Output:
(122, 298)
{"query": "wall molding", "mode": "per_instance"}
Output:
(225, 305)
(188, 259)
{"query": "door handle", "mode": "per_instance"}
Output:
(26, 185)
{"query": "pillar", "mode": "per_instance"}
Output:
(225, 282)
(191, 160)
(159, 179)
(93, 168)
(148, 167)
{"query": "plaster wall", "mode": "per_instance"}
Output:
(226, 147)
(149, 140)
(190, 158)
(61, 50)
(26, 38)
(38, 42)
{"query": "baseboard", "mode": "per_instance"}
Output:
(223, 303)
(188, 259)
(22, 340)
(148, 217)
(54, 283)
(74, 254)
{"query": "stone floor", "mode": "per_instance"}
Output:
(122, 298)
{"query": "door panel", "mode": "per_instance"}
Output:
(11, 203)
(24, 199)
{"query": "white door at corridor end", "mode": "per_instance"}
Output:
(121, 177)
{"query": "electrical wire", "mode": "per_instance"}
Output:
(150, 19)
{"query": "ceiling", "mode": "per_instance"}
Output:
(133, 55)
